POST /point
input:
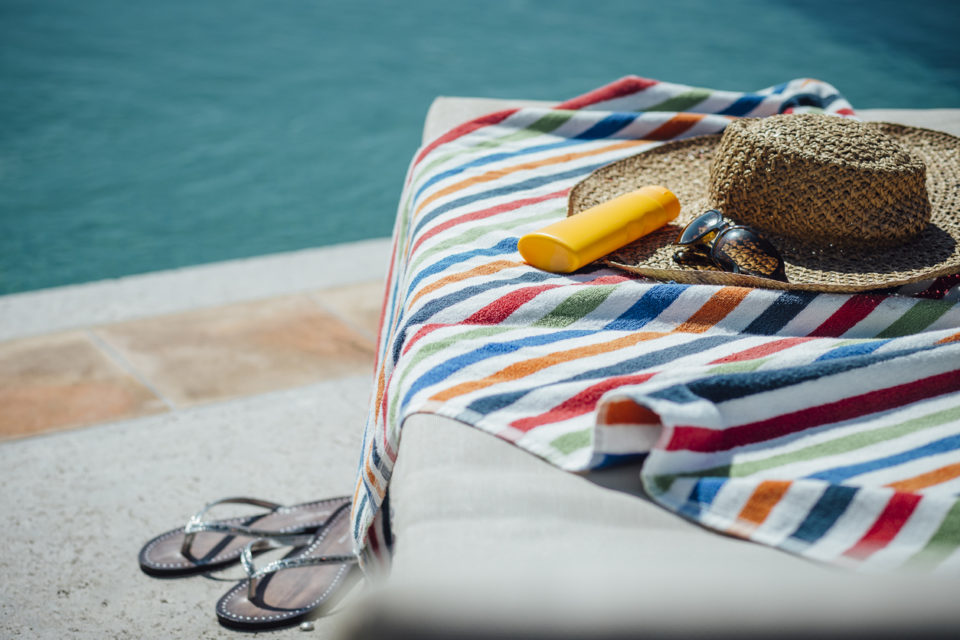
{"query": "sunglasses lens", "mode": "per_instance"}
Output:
(700, 226)
(741, 250)
(695, 257)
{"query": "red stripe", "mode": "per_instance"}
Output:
(372, 539)
(500, 309)
(940, 287)
(385, 399)
(386, 293)
(708, 440)
(898, 510)
(845, 112)
(464, 129)
(486, 213)
(675, 126)
(622, 87)
(424, 330)
(583, 402)
(843, 319)
(762, 350)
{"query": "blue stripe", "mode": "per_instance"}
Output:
(702, 496)
(784, 309)
(498, 401)
(526, 185)
(839, 474)
(449, 367)
(850, 350)
(507, 245)
(808, 100)
(377, 460)
(605, 128)
(824, 514)
(608, 126)
(607, 460)
(779, 88)
(743, 106)
(655, 358)
(705, 490)
(360, 507)
(489, 404)
(495, 157)
(439, 304)
(731, 386)
(648, 307)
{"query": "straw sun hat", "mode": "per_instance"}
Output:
(850, 206)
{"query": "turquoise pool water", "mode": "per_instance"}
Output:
(137, 136)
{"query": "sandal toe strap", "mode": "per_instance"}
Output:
(197, 523)
(254, 574)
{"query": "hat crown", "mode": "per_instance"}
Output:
(821, 180)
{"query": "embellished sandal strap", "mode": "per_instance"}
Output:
(254, 574)
(198, 524)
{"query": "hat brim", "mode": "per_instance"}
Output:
(684, 168)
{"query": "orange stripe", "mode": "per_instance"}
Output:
(714, 310)
(482, 270)
(381, 387)
(765, 497)
(954, 338)
(373, 479)
(626, 412)
(499, 173)
(356, 494)
(533, 365)
(928, 479)
(675, 126)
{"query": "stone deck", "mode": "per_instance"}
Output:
(125, 405)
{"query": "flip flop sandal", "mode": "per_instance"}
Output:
(204, 545)
(286, 591)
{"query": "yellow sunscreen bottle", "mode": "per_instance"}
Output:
(577, 240)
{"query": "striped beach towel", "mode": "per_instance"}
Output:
(826, 425)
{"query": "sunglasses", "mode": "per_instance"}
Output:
(711, 242)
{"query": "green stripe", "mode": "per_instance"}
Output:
(682, 102)
(845, 444)
(570, 442)
(549, 122)
(576, 306)
(918, 318)
(846, 343)
(942, 543)
(432, 348)
(585, 299)
(739, 367)
(657, 485)
(472, 233)
(546, 124)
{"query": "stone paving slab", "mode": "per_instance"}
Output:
(65, 380)
(240, 349)
(78, 506)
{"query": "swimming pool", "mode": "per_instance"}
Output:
(145, 136)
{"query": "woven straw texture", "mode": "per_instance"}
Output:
(831, 263)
